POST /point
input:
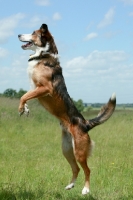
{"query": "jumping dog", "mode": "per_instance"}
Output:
(50, 89)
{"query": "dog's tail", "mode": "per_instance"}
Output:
(104, 114)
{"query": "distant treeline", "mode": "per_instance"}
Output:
(13, 93)
(81, 106)
(98, 105)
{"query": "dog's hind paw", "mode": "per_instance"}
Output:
(24, 110)
(85, 190)
(70, 186)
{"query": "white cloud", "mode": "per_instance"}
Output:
(99, 73)
(13, 77)
(56, 16)
(108, 18)
(111, 34)
(3, 52)
(131, 14)
(43, 2)
(97, 59)
(128, 2)
(90, 25)
(91, 36)
(7, 26)
(36, 21)
(17, 74)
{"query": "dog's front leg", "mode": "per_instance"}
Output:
(38, 92)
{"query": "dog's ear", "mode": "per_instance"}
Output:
(44, 28)
(46, 36)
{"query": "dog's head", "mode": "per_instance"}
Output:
(40, 38)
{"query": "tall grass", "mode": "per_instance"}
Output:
(32, 166)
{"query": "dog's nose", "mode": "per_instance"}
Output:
(19, 35)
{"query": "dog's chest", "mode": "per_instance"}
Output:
(31, 65)
(30, 70)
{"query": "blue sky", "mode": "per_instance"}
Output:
(94, 39)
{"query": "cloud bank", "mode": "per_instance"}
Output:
(108, 18)
(7, 26)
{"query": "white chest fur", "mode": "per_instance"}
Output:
(30, 69)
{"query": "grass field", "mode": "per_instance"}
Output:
(32, 166)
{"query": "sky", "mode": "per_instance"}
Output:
(94, 39)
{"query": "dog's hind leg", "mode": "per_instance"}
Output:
(67, 149)
(82, 148)
(87, 176)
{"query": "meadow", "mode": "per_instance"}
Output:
(32, 166)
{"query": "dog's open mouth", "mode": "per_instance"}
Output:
(28, 44)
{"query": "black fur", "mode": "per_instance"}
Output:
(44, 27)
(60, 88)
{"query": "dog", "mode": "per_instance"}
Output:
(50, 89)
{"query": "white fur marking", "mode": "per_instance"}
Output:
(26, 110)
(73, 145)
(38, 50)
(113, 97)
(30, 70)
(70, 186)
(85, 190)
(26, 37)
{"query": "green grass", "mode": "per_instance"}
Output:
(32, 166)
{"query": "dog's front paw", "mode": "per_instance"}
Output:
(21, 111)
(24, 110)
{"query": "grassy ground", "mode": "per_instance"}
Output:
(32, 166)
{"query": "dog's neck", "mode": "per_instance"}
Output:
(43, 55)
(38, 57)
(39, 51)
